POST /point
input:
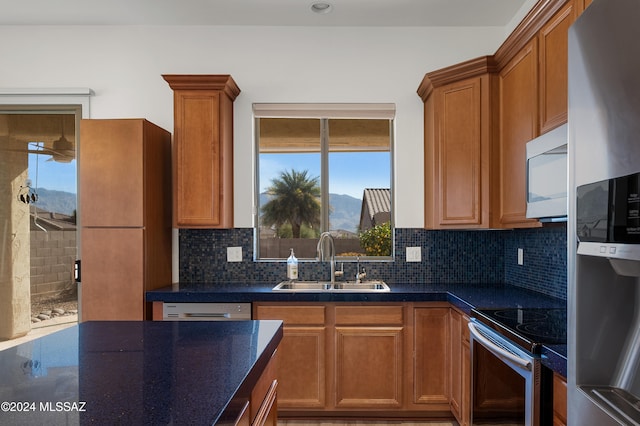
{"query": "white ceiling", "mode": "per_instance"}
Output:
(259, 12)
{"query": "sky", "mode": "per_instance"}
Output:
(48, 174)
(349, 173)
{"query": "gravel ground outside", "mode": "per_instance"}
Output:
(66, 301)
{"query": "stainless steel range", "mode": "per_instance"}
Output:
(509, 385)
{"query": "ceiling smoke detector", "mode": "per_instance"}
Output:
(321, 7)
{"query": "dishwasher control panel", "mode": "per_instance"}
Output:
(206, 311)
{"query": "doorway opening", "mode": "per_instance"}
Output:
(38, 152)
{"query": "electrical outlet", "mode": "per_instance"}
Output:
(520, 257)
(234, 254)
(414, 254)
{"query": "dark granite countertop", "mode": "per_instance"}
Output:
(463, 296)
(122, 372)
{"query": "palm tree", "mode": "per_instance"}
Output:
(294, 200)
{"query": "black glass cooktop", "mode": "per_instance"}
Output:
(529, 328)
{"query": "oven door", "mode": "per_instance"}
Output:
(505, 380)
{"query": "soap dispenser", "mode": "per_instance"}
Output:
(292, 267)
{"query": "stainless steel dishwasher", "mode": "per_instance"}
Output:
(206, 311)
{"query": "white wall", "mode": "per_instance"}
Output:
(123, 65)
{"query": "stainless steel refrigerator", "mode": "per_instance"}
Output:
(604, 215)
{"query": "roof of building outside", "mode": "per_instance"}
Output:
(378, 200)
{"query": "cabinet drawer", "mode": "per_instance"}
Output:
(366, 315)
(292, 315)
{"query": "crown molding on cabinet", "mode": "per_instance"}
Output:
(537, 17)
(457, 72)
(223, 82)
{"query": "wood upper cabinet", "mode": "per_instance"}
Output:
(458, 129)
(518, 125)
(553, 54)
(432, 356)
(203, 150)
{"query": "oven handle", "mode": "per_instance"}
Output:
(497, 350)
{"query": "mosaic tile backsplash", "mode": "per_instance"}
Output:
(471, 257)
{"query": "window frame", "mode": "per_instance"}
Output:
(323, 112)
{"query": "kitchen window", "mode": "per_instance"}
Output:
(324, 167)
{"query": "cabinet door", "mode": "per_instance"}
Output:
(302, 368)
(465, 408)
(559, 400)
(456, 363)
(460, 152)
(518, 125)
(111, 170)
(553, 38)
(197, 155)
(113, 274)
(203, 150)
(368, 367)
(368, 355)
(302, 351)
(431, 360)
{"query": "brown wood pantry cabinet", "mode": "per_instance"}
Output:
(124, 169)
(203, 150)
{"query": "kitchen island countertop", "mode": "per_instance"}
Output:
(128, 372)
(464, 296)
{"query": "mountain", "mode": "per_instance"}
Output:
(345, 211)
(56, 201)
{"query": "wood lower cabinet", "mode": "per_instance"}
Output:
(559, 400)
(460, 368)
(203, 150)
(263, 406)
(431, 337)
(261, 409)
(368, 356)
(379, 360)
(302, 353)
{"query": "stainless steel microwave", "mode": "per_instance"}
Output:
(547, 176)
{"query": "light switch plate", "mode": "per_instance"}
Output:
(414, 254)
(234, 254)
(520, 257)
